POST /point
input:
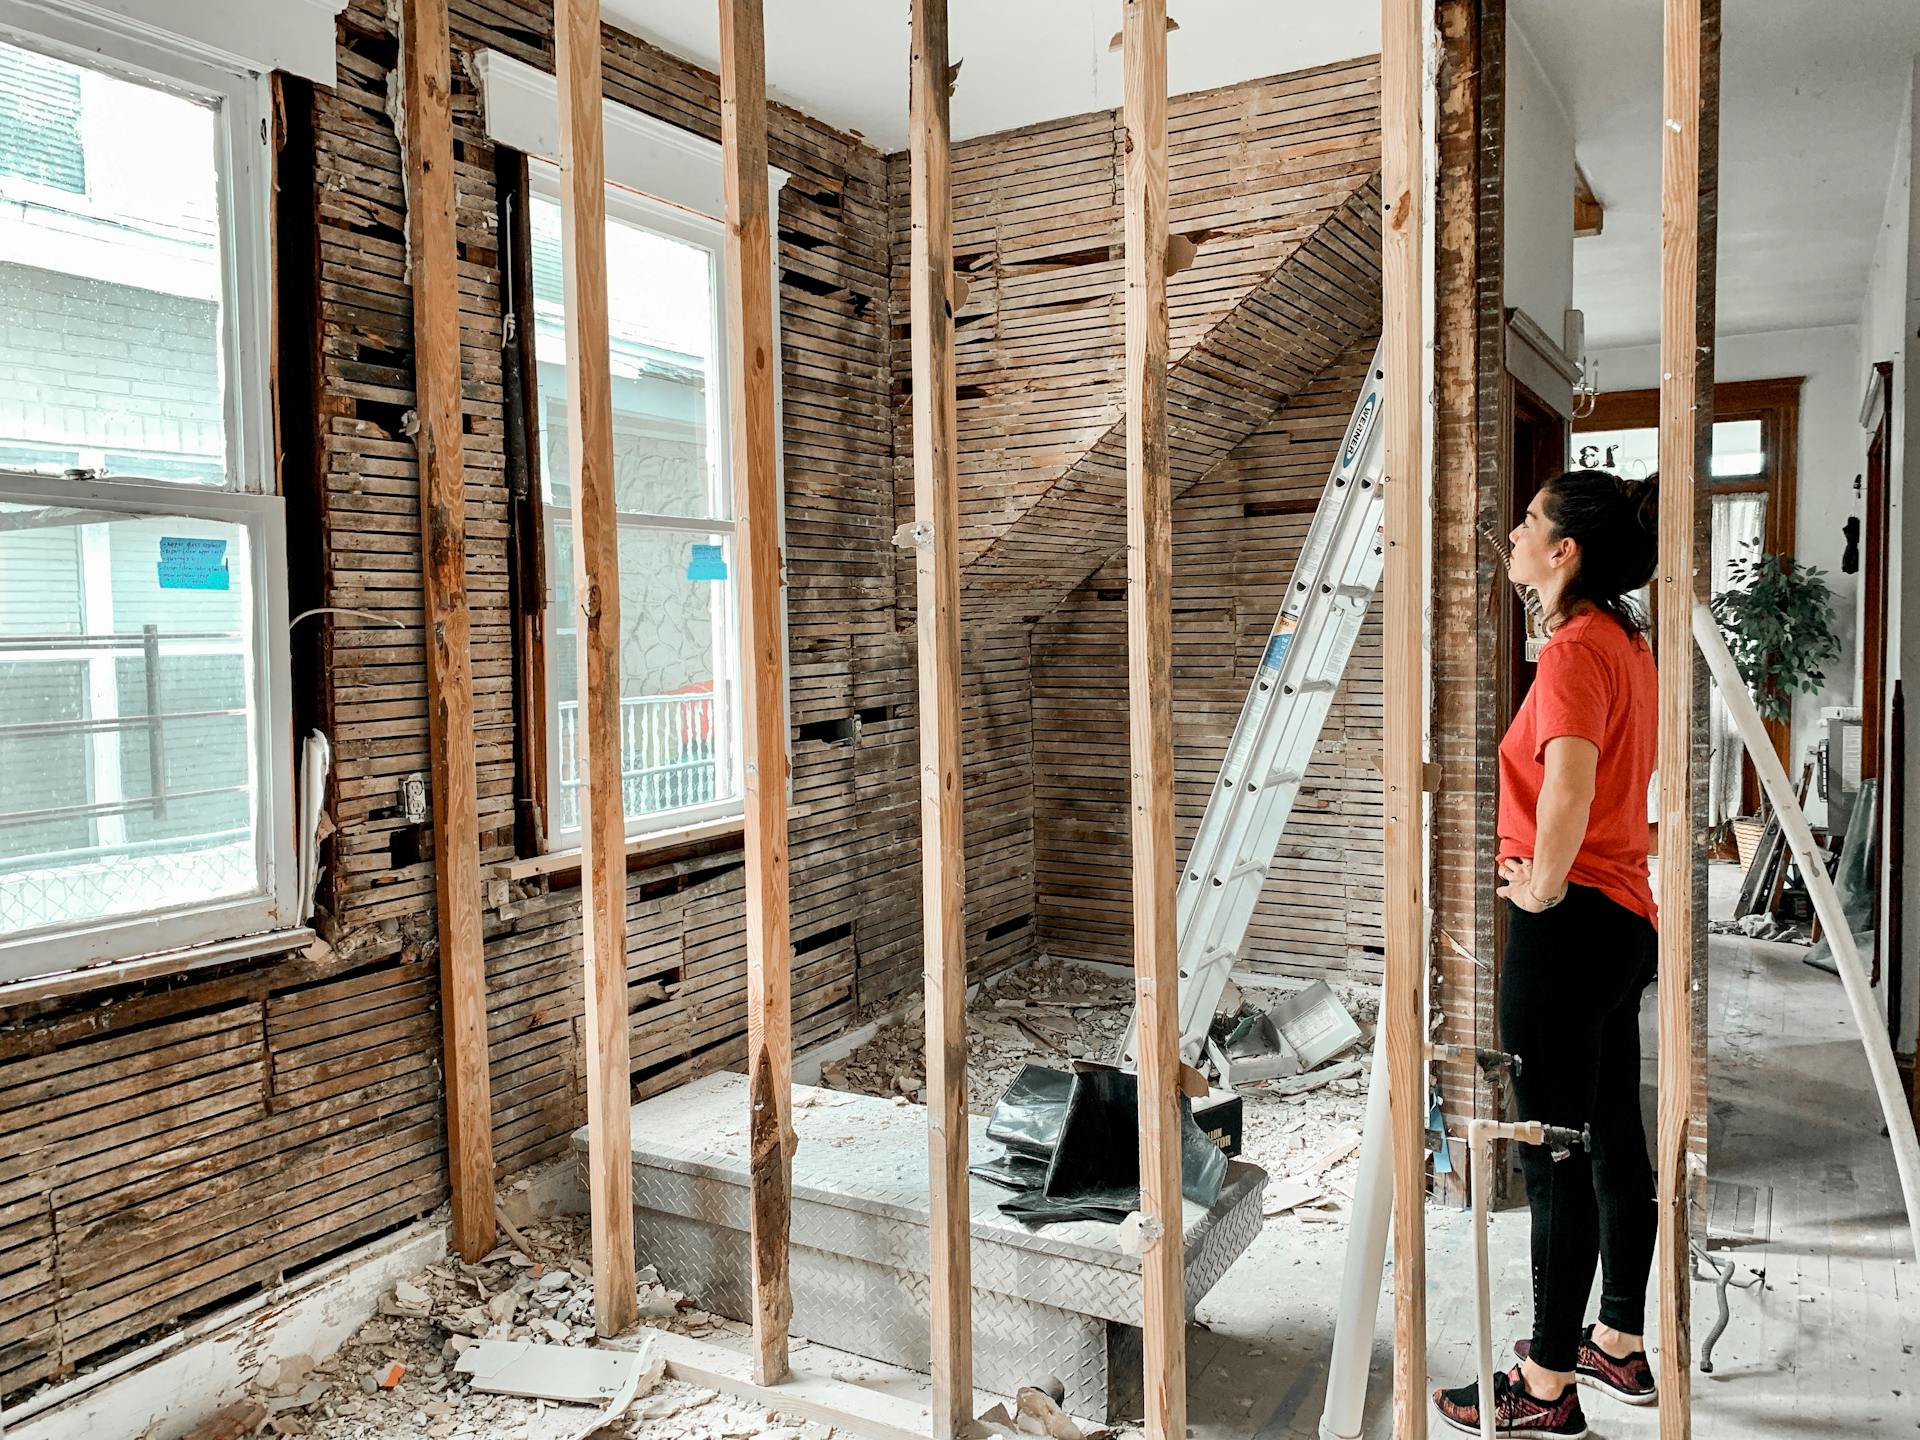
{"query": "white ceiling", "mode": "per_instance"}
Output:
(1811, 95)
(845, 61)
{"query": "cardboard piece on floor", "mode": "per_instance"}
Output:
(571, 1375)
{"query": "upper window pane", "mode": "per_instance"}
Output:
(1632, 453)
(661, 303)
(110, 275)
(1738, 449)
(127, 765)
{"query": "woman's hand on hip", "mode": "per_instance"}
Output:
(1518, 875)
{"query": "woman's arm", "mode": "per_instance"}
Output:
(1560, 818)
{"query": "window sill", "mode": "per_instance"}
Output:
(145, 967)
(563, 866)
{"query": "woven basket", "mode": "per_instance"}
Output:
(1747, 830)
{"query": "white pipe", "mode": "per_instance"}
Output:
(1826, 903)
(1346, 1402)
(1480, 1157)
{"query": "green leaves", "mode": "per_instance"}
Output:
(1778, 620)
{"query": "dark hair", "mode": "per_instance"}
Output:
(1616, 524)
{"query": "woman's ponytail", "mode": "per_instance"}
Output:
(1616, 523)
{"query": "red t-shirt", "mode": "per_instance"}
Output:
(1597, 682)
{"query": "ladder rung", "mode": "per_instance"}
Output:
(1246, 867)
(1309, 686)
(1285, 777)
(1354, 592)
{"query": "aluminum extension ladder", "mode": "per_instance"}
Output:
(1233, 850)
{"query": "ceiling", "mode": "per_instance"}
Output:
(1025, 60)
(1811, 97)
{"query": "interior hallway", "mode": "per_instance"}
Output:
(1826, 1348)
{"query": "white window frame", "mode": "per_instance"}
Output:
(704, 233)
(132, 47)
(664, 178)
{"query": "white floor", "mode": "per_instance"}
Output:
(1827, 1347)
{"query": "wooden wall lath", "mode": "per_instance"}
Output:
(1403, 596)
(246, 1121)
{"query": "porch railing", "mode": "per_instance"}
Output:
(667, 756)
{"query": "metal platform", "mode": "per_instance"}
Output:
(1063, 1301)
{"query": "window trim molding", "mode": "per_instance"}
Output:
(52, 951)
(642, 153)
(298, 36)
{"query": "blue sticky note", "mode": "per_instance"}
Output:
(192, 563)
(708, 562)
(1276, 650)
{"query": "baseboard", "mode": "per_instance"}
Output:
(163, 1390)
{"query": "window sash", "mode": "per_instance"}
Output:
(272, 905)
(99, 41)
(632, 208)
(726, 718)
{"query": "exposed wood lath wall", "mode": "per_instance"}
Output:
(1272, 179)
(180, 1143)
(175, 1145)
(1236, 535)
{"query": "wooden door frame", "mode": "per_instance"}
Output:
(1876, 414)
(1878, 759)
(1776, 405)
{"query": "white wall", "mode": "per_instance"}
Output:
(1832, 453)
(1539, 191)
(1889, 318)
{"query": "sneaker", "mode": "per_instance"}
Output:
(1630, 1379)
(1515, 1412)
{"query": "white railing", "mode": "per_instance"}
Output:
(667, 757)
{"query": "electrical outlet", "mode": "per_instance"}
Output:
(413, 798)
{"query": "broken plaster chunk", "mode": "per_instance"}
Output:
(1138, 1232)
(914, 533)
(1038, 1413)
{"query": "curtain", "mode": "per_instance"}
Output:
(1739, 524)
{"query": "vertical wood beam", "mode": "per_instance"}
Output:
(936, 506)
(756, 490)
(596, 587)
(1150, 719)
(426, 64)
(1689, 114)
(1402, 189)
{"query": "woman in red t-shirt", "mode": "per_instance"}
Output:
(1574, 770)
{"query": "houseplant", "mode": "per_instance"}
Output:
(1778, 621)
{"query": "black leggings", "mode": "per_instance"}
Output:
(1570, 1009)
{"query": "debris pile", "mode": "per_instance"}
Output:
(1049, 1012)
(1302, 1128)
(400, 1373)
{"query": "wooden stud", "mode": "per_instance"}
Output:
(596, 585)
(1163, 1309)
(1401, 172)
(1684, 384)
(426, 63)
(756, 490)
(936, 507)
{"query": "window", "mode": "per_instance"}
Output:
(679, 652)
(145, 759)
